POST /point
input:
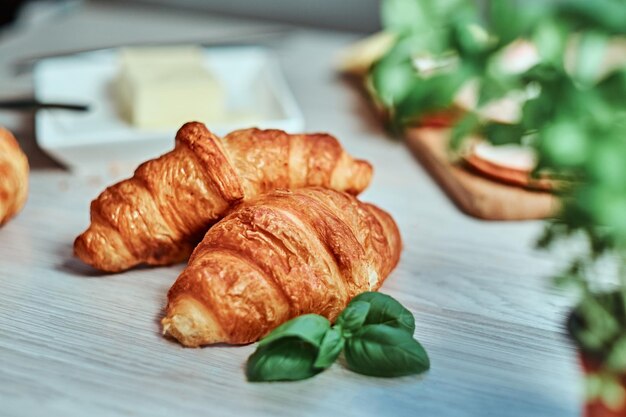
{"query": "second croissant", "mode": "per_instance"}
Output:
(281, 255)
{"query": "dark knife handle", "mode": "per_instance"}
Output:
(32, 104)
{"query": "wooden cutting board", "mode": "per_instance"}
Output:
(472, 193)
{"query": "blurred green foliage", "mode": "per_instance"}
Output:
(575, 120)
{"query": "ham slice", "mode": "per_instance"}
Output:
(511, 164)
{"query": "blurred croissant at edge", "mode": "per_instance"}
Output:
(281, 255)
(13, 176)
(160, 214)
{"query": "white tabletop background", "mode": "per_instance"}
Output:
(75, 343)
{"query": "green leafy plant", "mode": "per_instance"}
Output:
(374, 331)
(575, 121)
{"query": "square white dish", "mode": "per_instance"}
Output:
(100, 138)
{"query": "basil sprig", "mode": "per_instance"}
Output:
(374, 331)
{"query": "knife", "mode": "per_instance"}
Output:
(30, 104)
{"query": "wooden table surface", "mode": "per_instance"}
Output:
(74, 343)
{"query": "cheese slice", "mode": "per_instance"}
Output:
(164, 87)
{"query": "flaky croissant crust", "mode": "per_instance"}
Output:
(281, 255)
(13, 176)
(158, 216)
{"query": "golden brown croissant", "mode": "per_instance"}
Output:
(13, 176)
(160, 214)
(281, 255)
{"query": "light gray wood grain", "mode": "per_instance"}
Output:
(76, 343)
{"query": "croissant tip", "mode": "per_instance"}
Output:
(166, 323)
(80, 248)
(192, 129)
(96, 251)
(180, 328)
(193, 123)
(191, 324)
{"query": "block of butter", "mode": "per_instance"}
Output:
(164, 87)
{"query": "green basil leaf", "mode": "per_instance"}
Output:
(469, 124)
(616, 359)
(309, 327)
(392, 80)
(329, 349)
(287, 359)
(589, 57)
(501, 133)
(565, 143)
(610, 15)
(379, 350)
(496, 87)
(536, 111)
(509, 20)
(353, 317)
(472, 38)
(612, 88)
(550, 37)
(403, 15)
(386, 310)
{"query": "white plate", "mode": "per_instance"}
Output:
(99, 138)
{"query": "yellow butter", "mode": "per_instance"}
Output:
(164, 87)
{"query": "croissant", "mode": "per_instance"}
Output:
(160, 214)
(13, 176)
(281, 255)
